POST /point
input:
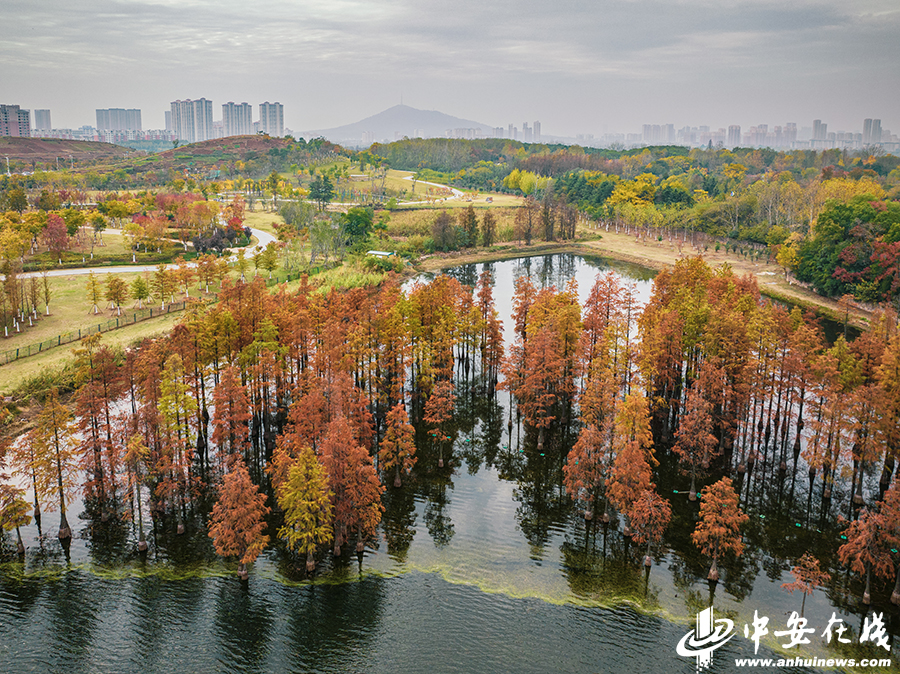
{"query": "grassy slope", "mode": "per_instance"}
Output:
(12, 375)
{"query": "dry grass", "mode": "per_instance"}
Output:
(410, 222)
(263, 220)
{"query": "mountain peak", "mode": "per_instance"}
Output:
(395, 123)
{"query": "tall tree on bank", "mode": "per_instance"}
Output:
(488, 229)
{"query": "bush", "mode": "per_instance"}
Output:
(417, 245)
(383, 264)
(63, 379)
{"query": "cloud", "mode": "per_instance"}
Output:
(348, 49)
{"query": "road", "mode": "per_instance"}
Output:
(264, 239)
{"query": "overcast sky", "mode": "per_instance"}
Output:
(578, 66)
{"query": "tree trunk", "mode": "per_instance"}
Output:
(867, 594)
(64, 530)
(713, 574)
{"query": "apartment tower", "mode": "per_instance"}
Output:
(237, 119)
(192, 120)
(271, 119)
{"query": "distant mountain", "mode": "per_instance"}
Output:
(394, 123)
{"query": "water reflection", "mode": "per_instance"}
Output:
(243, 627)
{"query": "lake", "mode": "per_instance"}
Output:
(480, 566)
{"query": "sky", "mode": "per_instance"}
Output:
(578, 66)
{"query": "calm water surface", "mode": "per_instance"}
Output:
(481, 566)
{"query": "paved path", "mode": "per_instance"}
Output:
(457, 194)
(264, 239)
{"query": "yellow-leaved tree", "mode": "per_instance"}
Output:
(306, 501)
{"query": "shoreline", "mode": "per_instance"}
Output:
(769, 277)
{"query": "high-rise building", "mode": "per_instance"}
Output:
(734, 135)
(537, 132)
(820, 131)
(168, 120)
(271, 119)
(192, 120)
(14, 121)
(42, 120)
(527, 133)
(871, 131)
(237, 119)
(668, 133)
(118, 119)
(790, 134)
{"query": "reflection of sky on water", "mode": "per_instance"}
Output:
(548, 270)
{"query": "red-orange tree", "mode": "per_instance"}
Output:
(721, 518)
(866, 550)
(649, 515)
(584, 472)
(438, 410)
(232, 413)
(238, 518)
(807, 577)
(356, 491)
(695, 444)
(398, 449)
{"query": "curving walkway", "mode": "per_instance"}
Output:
(264, 239)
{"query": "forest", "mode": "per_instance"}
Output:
(830, 217)
(288, 418)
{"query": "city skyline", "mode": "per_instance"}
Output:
(237, 119)
(580, 69)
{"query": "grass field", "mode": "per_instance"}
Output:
(113, 249)
(14, 374)
(263, 220)
(70, 309)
